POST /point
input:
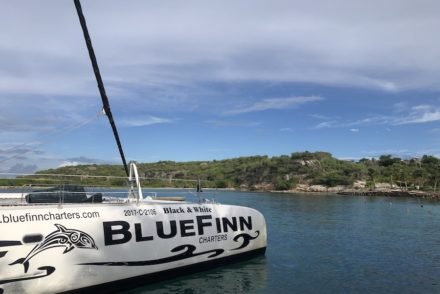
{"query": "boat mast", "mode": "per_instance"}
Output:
(105, 102)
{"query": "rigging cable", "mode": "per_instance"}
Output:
(105, 102)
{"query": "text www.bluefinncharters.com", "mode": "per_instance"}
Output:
(48, 216)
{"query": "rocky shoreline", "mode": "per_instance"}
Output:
(391, 193)
(394, 193)
(380, 192)
(382, 189)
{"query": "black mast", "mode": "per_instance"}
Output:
(105, 103)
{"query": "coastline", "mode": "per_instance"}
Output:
(377, 193)
(394, 193)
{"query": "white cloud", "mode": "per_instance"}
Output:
(145, 121)
(22, 169)
(395, 152)
(403, 153)
(325, 124)
(371, 44)
(234, 123)
(69, 163)
(273, 104)
(350, 158)
(420, 114)
(354, 130)
(82, 160)
(321, 117)
(400, 107)
(402, 115)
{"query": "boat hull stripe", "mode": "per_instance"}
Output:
(10, 243)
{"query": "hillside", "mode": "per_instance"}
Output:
(285, 172)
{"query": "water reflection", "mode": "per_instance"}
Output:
(243, 277)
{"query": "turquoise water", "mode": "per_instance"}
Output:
(328, 244)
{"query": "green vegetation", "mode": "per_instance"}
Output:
(267, 173)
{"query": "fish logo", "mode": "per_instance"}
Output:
(63, 237)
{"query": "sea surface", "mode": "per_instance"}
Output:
(327, 244)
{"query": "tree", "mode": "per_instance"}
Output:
(432, 166)
(373, 173)
(419, 177)
(401, 174)
(388, 160)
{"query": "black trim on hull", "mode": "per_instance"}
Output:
(10, 243)
(143, 280)
(49, 270)
(188, 253)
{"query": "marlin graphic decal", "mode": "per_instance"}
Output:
(68, 238)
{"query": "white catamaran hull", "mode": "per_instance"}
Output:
(47, 249)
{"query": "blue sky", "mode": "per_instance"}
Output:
(204, 80)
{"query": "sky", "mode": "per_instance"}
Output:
(204, 80)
